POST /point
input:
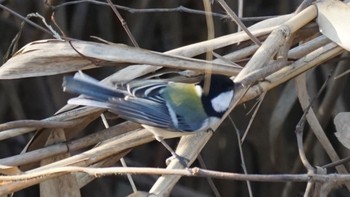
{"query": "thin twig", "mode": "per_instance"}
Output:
(209, 179)
(53, 19)
(191, 172)
(182, 9)
(235, 18)
(336, 163)
(311, 170)
(26, 20)
(299, 133)
(342, 75)
(149, 10)
(123, 22)
(261, 98)
(14, 43)
(122, 160)
(316, 126)
(300, 128)
(327, 104)
(242, 155)
(54, 33)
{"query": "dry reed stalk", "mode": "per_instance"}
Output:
(67, 56)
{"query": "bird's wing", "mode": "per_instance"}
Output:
(143, 111)
(138, 110)
(146, 88)
(143, 102)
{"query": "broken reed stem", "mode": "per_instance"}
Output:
(275, 40)
(302, 65)
(111, 147)
(35, 124)
(70, 146)
(280, 76)
(62, 120)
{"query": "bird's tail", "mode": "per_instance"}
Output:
(89, 87)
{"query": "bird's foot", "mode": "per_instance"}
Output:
(183, 160)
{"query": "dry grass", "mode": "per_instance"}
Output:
(70, 147)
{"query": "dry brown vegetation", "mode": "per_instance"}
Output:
(280, 142)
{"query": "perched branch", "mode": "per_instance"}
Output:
(191, 172)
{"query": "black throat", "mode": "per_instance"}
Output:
(206, 100)
(218, 84)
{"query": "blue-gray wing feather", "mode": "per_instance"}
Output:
(141, 103)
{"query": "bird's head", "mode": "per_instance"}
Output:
(220, 95)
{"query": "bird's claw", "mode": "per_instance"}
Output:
(183, 161)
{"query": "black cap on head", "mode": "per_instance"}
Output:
(218, 84)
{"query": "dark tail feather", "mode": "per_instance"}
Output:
(89, 88)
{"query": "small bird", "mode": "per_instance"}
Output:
(167, 109)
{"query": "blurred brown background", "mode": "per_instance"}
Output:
(270, 147)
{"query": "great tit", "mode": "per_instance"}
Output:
(167, 109)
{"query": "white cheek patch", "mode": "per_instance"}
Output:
(199, 90)
(222, 101)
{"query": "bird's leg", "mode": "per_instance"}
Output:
(182, 160)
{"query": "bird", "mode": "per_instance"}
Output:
(165, 108)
